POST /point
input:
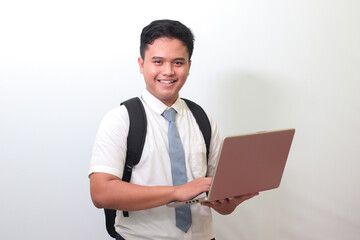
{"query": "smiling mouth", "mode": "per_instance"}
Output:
(167, 81)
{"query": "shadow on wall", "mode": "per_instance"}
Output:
(245, 101)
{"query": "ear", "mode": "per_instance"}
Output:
(189, 67)
(141, 65)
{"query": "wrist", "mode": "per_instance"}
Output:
(173, 194)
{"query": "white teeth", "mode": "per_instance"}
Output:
(166, 82)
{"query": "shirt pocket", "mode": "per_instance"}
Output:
(197, 160)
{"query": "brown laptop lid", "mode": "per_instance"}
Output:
(251, 163)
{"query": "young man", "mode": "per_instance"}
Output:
(166, 49)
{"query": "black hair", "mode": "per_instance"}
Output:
(166, 28)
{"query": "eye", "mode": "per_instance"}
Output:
(178, 63)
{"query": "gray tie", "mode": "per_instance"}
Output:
(178, 169)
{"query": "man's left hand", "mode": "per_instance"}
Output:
(227, 206)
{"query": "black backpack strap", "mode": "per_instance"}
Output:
(135, 144)
(110, 216)
(136, 136)
(203, 122)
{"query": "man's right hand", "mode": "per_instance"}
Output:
(192, 189)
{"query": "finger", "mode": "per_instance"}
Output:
(206, 204)
(247, 195)
(240, 199)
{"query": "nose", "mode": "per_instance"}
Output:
(168, 69)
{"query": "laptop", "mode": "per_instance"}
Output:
(247, 164)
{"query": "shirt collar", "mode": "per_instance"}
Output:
(158, 106)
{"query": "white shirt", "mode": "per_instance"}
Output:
(154, 168)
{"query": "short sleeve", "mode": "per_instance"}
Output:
(214, 149)
(109, 149)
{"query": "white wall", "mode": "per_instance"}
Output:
(279, 64)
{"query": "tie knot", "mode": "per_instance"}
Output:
(169, 114)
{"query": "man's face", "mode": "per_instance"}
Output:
(165, 68)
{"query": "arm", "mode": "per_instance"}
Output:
(227, 206)
(108, 191)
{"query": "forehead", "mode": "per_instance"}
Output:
(167, 47)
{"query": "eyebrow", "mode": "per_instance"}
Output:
(180, 58)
